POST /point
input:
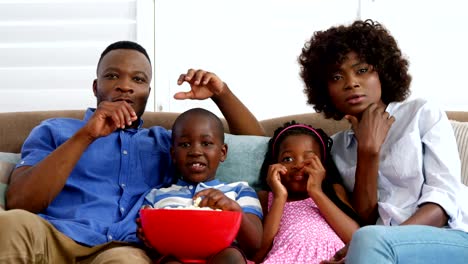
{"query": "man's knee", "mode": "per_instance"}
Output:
(16, 221)
(122, 254)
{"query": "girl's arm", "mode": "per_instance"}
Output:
(343, 225)
(271, 221)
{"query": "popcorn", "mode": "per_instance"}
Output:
(197, 201)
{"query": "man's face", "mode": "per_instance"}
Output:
(124, 75)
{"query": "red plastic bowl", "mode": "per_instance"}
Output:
(189, 235)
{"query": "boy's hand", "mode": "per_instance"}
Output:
(274, 180)
(141, 234)
(203, 85)
(216, 199)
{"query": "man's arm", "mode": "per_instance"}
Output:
(33, 188)
(207, 85)
(241, 121)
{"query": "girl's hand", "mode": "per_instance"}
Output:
(314, 168)
(274, 180)
(339, 257)
(216, 199)
(373, 127)
(203, 85)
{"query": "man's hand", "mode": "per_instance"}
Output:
(108, 117)
(203, 85)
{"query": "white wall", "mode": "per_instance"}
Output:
(253, 46)
(49, 48)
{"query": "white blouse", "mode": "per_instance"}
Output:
(419, 163)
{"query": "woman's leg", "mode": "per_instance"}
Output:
(408, 244)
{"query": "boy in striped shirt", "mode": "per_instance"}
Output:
(197, 149)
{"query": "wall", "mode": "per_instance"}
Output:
(49, 48)
(253, 46)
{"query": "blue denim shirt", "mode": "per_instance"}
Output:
(104, 192)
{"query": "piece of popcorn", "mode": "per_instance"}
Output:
(196, 202)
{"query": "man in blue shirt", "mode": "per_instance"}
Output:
(86, 179)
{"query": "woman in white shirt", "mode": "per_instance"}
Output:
(399, 159)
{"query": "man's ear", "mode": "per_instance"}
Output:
(95, 87)
(224, 150)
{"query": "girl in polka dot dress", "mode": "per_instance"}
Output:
(307, 216)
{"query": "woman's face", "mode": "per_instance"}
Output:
(354, 86)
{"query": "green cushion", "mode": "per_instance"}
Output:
(244, 158)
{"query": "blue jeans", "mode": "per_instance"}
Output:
(408, 244)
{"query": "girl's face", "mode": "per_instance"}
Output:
(294, 152)
(354, 86)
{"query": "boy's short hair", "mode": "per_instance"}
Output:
(199, 112)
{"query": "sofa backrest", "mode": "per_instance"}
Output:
(17, 125)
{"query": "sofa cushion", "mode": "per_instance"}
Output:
(7, 163)
(461, 135)
(244, 158)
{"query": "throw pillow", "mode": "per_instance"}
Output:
(7, 163)
(244, 158)
(460, 129)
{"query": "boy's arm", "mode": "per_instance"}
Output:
(250, 232)
(207, 85)
(249, 236)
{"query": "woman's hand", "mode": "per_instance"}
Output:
(373, 127)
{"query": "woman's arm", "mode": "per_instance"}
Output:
(428, 214)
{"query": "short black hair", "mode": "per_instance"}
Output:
(372, 43)
(124, 44)
(199, 112)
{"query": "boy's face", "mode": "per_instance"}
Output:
(124, 74)
(197, 149)
(354, 86)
